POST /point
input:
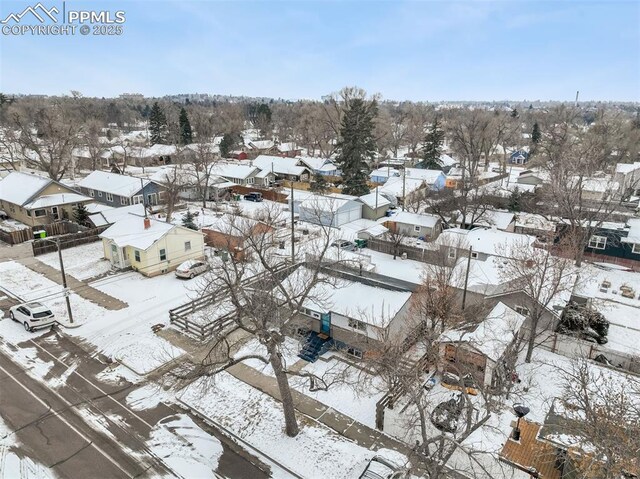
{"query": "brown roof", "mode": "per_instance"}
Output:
(530, 452)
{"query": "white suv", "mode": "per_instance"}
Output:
(32, 315)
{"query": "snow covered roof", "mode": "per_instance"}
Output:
(385, 172)
(287, 147)
(46, 201)
(130, 231)
(158, 150)
(598, 185)
(430, 176)
(428, 221)
(499, 219)
(446, 160)
(483, 240)
(278, 164)
(317, 164)
(534, 221)
(493, 335)
(120, 185)
(97, 207)
(625, 168)
(261, 144)
(372, 199)
(18, 188)
(323, 203)
(233, 170)
(112, 215)
(396, 186)
(634, 231)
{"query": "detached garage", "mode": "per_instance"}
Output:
(330, 211)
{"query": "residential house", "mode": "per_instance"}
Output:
(633, 237)
(533, 177)
(479, 351)
(536, 225)
(415, 225)
(282, 168)
(598, 188)
(261, 147)
(230, 233)
(352, 312)
(330, 210)
(613, 242)
(35, 200)
(290, 149)
(82, 157)
(109, 215)
(483, 242)
(502, 220)
(405, 190)
(117, 190)
(374, 205)
(627, 175)
(320, 166)
(434, 179)
(381, 175)
(519, 157)
(244, 175)
(150, 246)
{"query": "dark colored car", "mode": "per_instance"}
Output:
(253, 196)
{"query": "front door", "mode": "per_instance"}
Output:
(115, 256)
(325, 323)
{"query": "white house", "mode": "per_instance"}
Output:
(330, 210)
(282, 167)
(415, 225)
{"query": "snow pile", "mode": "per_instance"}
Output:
(81, 262)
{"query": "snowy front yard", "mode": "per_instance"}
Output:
(82, 262)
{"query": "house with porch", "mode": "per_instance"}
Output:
(150, 246)
(243, 175)
(116, 190)
(415, 225)
(35, 200)
(283, 168)
(319, 166)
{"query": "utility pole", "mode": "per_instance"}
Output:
(144, 203)
(404, 187)
(64, 282)
(466, 278)
(293, 237)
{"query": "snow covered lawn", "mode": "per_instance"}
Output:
(32, 286)
(257, 419)
(82, 262)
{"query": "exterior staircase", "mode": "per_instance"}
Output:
(314, 346)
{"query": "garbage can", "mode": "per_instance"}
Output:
(39, 234)
(361, 243)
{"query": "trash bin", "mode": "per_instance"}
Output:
(39, 234)
(361, 243)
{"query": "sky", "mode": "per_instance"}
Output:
(403, 50)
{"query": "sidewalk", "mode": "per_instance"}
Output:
(80, 288)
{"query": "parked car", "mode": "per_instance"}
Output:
(381, 468)
(32, 316)
(253, 196)
(344, 245)
(191, 269)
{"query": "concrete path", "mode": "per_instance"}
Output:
(80, 288)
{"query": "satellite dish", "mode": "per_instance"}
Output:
(521, 410)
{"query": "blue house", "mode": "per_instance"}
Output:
(120, 190)
(519, 157)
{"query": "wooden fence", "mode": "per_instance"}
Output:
(267, 193)
(412, 252)
(43, 246)
(26, 234)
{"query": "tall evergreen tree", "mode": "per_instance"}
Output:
(432, 148)
(186, 133)
(157, 125)
(319, 183)
(357, 145)
(536, 136)
(188, 221)
(81, 215)
(226, 145)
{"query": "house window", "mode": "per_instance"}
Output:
(359, 325)
(452, 254)
(598, 242)
(355, 352)
(123, 200)
(522, 310)
(416, 229)
(136, 255)
(163, 254)
(250, 180)
(137, 199)
(99, 194)
(40, 213)
(636, 248)
(28, 212)
(474, 255)
(92, 193)
(187, 245)
(109, 197)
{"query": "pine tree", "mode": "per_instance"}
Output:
(536, 136)
(319, 183)
(226, 145)
(432, 148)
(81, 215)
(357, 145)
(515, 200)
(186, 134)
(157, 125)
(188, 221)
(514, 113)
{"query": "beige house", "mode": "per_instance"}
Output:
(150, 246)
(35, 200)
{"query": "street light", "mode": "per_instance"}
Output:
(521, 411)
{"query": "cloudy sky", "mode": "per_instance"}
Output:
(416, 50)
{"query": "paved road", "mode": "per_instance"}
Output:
(57, 426)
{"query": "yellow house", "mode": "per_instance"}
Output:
(150, 246)
(35, 200)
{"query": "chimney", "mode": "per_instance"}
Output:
(147, 223)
